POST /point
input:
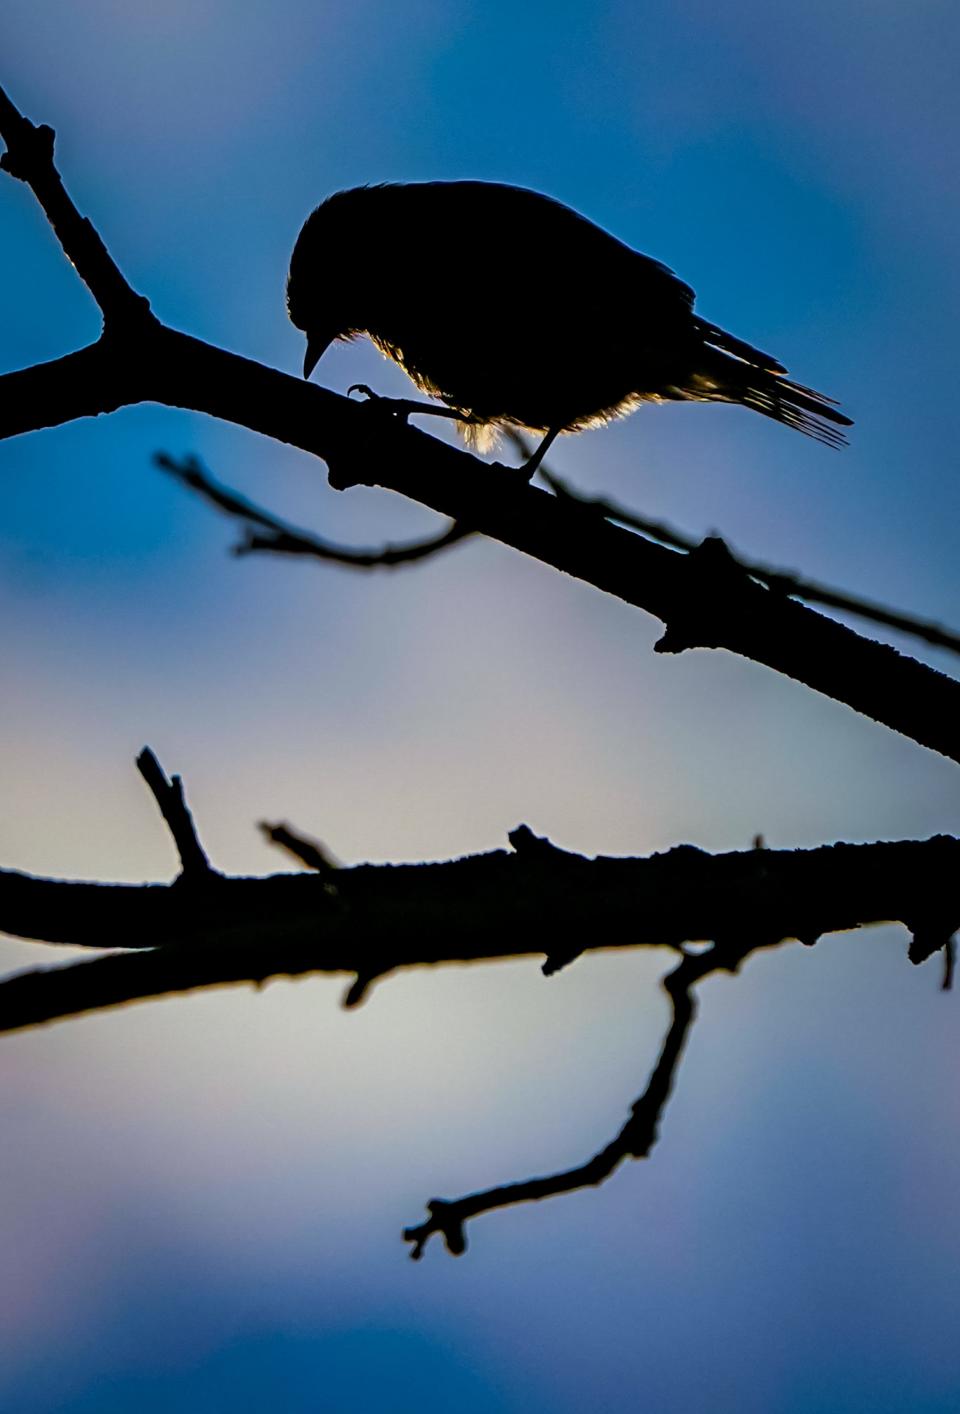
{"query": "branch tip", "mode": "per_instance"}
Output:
(359, 989)
(310, 852)
(445, 1218)
(559, 958)
(168, 794)
(533, 846)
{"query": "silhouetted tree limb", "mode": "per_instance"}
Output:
(635, 1140)
(782, 581)
(704, 598)
(195, 867)
(276, 537)
(29, 158)
(207, 929)
(309, 852)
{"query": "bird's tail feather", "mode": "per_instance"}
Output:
(736, 372)
(796, 406)
(720, 339)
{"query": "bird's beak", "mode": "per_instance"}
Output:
(317, 346)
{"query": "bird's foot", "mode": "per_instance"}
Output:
(402, 407)
(531, 466)
(389, 407)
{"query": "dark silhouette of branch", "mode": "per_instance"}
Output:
(309, 852)
(380, 918)
(205, 929)
(374, 919)
(285, 539)
(279, 538)
(194, 865)
(783, 581)
(635, 1140)
(29, 158)
(705, 599)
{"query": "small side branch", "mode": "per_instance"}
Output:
(194, 865)
(635, 1140)
(309, 852)
(266, 532)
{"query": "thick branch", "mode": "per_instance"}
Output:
(379, 918)
(783, 581)
(704, 599)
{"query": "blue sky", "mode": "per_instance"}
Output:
(200, 1199)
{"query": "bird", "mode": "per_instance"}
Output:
(516, 312)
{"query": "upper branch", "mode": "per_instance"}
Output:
(704, 598)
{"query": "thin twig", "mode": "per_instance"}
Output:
(537, 900)
(309, 852)
(168, 794)
(283, 539)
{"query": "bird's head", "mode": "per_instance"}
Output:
(327, 279)
(312, 309)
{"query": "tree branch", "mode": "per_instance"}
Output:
(782, 581)
(704, 598)
(375, 919)
(29, 158)
(277, 537)
(194, 864)
(635, 1140)
(309, 852)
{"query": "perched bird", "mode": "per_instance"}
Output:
(515, 311)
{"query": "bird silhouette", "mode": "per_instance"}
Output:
(515, 311)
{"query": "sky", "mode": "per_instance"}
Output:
(201, 1198)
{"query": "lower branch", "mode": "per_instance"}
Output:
(206, 929)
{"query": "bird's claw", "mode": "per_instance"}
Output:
(400, 408)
